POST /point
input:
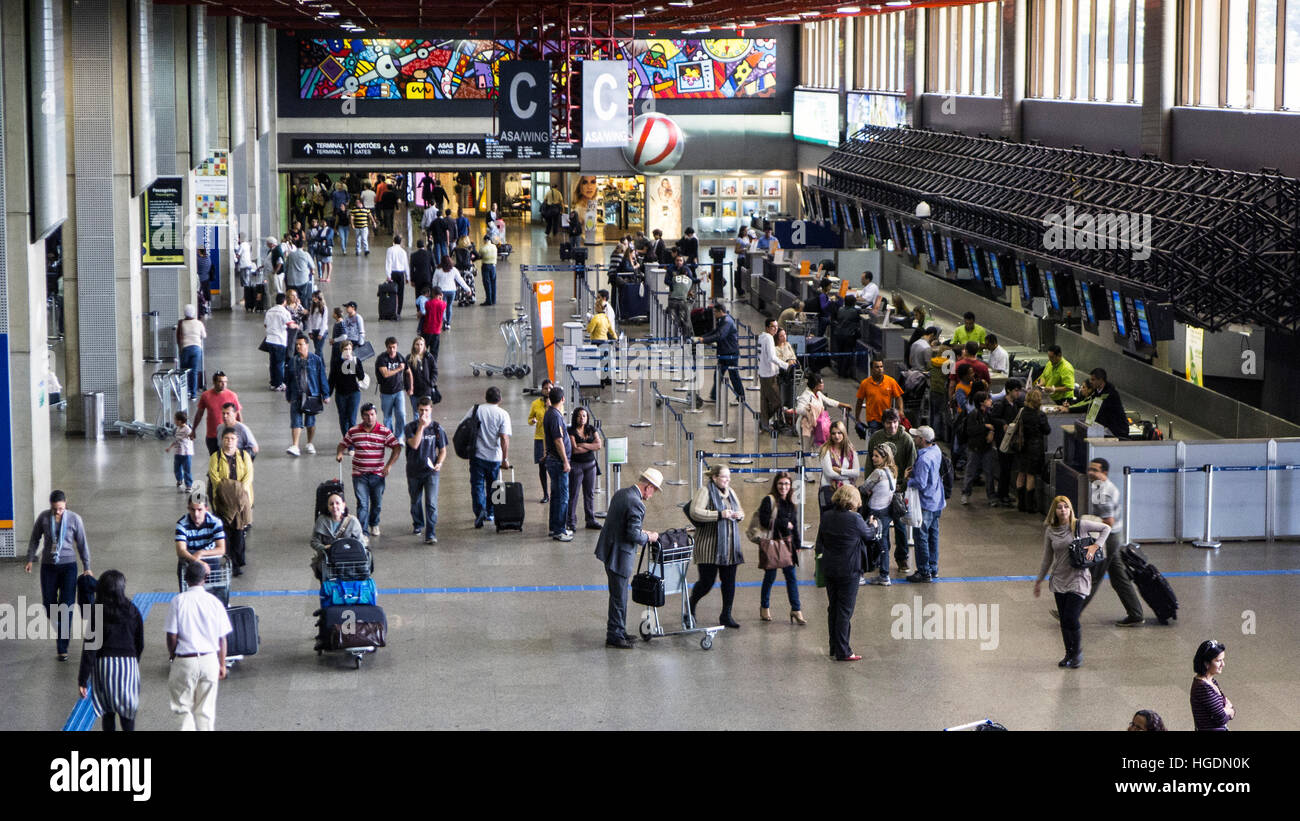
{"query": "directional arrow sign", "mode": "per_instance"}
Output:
(428, 149)
(308, 148)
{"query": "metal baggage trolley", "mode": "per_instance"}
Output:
(218, 581)
(345, 571)
(672, 563)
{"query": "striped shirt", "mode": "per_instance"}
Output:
(368, 448)
(201, 536)
(360, 218)
(1209, 706)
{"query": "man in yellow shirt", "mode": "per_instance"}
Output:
(535, 415)
(1058, 377)
(968, 331)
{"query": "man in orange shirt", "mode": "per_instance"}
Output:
(876, 394)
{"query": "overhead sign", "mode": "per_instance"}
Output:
(604, 103)
(429, 148)
(524, 103)
(160, 224)
(817, 117)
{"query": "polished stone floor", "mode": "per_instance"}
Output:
(506, 632)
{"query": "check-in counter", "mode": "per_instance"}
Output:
(887, 340)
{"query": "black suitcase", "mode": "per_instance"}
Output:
(243, 639)
(702, 321)
(504, 250)
(387, 294)
(566, 251)
(357, 625)
(323, 491)
(510, 513)
(1151, 583)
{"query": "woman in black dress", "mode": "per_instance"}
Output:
(1031, 446)
(582, 476)
(110, 655)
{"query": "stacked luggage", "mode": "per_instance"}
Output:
(349, 619)
(466, 297)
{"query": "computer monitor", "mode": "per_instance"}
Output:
(998, 273)
(913, 241)
(1085, 299)
(881, 236)
(1053, 298)
(955, 253)
(1029, 287)
(977, 262)
(932, 247)
(1144, 327)
(1117, 313)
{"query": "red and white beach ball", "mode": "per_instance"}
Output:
(656, 145)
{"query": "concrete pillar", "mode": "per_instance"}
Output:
(105, 216)
(1159, 75)
(22, 300)
(266, 131)
(914, 64)
(1015, 64)
(187, 280)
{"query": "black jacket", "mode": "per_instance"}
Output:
(842, 540)
(1111, 414)
(421, 269)
(690, 248)
(976, 433)
(848, 323)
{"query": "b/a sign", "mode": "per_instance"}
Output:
(524, 104)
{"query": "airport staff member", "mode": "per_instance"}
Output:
(969, 331)
(617, 545)
(1058, 377)
(1110, 414)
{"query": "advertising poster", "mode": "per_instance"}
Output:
(211, 185)
(1195, 365)
(664, 205)
(160, 224)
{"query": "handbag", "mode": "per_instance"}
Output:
(1009, 436)
(363, 351)
(647, 588)
(265, 347)
(774, 553)
(755, 530)
(897, 503)
(1079, 550)
(310, 405)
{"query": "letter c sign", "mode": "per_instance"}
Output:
(606, 109)
(525, 112)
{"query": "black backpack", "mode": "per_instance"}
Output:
(945, 474)
(465, 439)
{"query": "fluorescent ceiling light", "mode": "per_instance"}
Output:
(748, 24)
(848, 10)
(329, 14)
(780, 19)
(897, 3)
(809, 13)
(686, 4)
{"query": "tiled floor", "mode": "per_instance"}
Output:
(492, 656)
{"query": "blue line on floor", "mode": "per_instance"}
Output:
(83, 714)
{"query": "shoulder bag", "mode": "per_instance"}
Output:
(1079, 550)
(897, 503)
(1009, 440)
(647, 588)
(774, 553)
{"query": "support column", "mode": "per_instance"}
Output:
(166, 287)
(25, 473)
(1015, 61)
(914, 64)
(109, 352)
(266, 129)
(1159, 75)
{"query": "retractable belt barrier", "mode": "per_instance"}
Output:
(1207, 540)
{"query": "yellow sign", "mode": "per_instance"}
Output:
(1195, 365)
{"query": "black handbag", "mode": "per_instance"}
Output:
(310, 405)
(1079, 550)
(647, 588)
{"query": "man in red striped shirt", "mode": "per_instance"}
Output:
(366, 443)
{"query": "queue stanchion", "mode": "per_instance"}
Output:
(719, 402)
(724, 402)
(652, 442)
(1128, 509)
(693, 382)
(699, 469)
(681, 461)
(667, 462)
(625, 381)
(1207, 543)
(803, 498)
(740, 437)
(640, 407)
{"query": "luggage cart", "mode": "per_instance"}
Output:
(218, 581)
(513, 331)
(673, 562)
(338, 571)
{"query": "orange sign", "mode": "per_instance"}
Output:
(545, 291)
(804, 266)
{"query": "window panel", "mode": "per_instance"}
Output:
(1237, 56)
(1265, 54)
(1291, 46)
(1121, 66)
(1101, 58)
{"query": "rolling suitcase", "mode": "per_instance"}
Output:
(566, 251)
(1151, 583)
(701, 321)
(510, 512)
(387, 294)
(355, 626)
(243, 639)
(323, 491)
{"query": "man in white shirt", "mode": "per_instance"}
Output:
(396, 265)
(769, 370)
(869, 292)
(491, 454)
(368, 198)
(277, 324)
(999, 361)
(448, 280)
(1104, 500)
(196, 627)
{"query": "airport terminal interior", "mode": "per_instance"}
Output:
(1109, 183)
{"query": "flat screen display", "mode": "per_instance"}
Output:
(1052, 296)
(875, 228)
(977, 263)
(1027, 270)
(1117, 302)
(909, 234)
(1144, 328)
(1085, 297)
(816, 116)
(995, 269)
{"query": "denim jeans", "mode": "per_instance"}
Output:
(394, 407)
(882, 516)
(439, 251)
(985, 462)
(927, 543)
(490, 284)
(424, 503)
(791, 587)
(559, 484)
(450, 299)
(192, 360)
(727, 366)
(482, 475)
(363, 239)
(342, 234)
(59, 587)
(369, 488)
(278, 353)
(181, 466)
(304, 291)
(349, 405)
(319, 342)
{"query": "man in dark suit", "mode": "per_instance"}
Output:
(617, 546)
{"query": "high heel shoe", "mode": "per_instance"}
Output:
(765, 613)
(796, 617)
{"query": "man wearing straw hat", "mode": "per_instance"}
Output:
(617, 546)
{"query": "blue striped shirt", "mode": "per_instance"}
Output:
(201, 536)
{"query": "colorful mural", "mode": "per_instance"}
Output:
(422, 69)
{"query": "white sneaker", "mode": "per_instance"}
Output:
(374, 531)
(292, 450)
(965, 498)
(311, 448)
